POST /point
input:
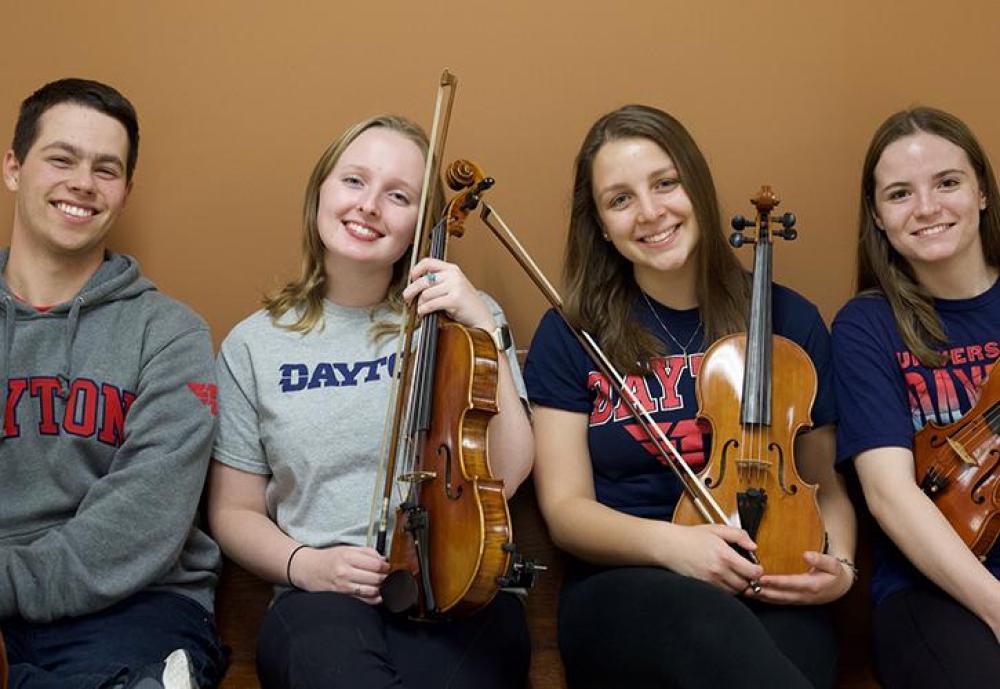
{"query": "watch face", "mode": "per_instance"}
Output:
(502, 338)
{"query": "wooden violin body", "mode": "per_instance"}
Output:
(754, 464)
(756, 389)
(467, 533)
(958, 465)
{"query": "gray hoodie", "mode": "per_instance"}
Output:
(108, 425)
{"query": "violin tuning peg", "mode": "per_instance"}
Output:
(788, 220)
(736, 239)
(790, 234)
(740, 223)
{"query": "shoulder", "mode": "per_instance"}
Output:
(164, 319)
(494, 306)
(795, 317)
(868, 315)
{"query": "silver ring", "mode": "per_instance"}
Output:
(431, 278)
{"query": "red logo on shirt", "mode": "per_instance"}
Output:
(206, 394)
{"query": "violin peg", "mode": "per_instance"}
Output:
(736, 240)
(740, 223)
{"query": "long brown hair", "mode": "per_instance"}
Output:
(305, 294)
(600, 285)
(880, 267)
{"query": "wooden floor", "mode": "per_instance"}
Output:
(242, 600)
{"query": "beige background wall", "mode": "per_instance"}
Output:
(237, 99)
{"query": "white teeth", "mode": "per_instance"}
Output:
(934, 229)
(75, 211)
(361, 230)
(652, 239)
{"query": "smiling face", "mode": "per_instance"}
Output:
(644, 210)
(368, 204)
(928, 201)
(71, 184)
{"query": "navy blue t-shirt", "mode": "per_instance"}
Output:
(885, 394)
(629, 475)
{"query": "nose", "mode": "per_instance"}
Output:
(81, 181)
(649, 210)
(368, 202)
(927, 203)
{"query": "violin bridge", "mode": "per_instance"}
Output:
(961, 452)
(418, 476)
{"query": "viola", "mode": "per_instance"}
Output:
(756, 390)
(452, 546)
(957, 466)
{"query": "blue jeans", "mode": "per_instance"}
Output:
(107, 647)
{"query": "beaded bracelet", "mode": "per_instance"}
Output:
(850, 565)
(288, 567)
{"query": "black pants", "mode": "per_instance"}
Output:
(924, 638)
(642, 627)
(329, 640)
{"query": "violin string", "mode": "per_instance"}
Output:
(973, 435)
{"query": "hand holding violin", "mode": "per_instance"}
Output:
(441, 286)
(707, 552)
(827, 580)
(353, 570)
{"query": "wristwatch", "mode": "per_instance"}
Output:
(501, 338)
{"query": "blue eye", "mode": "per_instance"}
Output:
(619, 201)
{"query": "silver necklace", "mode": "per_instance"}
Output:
(683, 348)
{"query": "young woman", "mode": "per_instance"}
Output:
(910, 349)
(649, 603)
(303, 390)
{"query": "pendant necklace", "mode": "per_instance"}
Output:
(683, 348)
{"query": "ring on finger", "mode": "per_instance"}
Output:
(431, 278)
(357, 590)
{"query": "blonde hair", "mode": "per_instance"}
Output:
(304, 295)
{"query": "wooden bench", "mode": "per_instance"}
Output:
(242, 600)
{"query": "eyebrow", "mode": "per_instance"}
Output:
(393, 181)
(73, 150)
(670, 169)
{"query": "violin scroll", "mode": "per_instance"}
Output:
(470, 181)
(765, 201)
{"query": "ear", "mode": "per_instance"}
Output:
(878, 221)
(11, 170)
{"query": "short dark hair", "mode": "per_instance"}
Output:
(90, 94)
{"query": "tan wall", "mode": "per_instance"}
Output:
(237, 99)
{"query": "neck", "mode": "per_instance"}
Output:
(352, 284)
(43, 279)
(676, 289)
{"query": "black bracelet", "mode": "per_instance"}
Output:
(850, 565)
(288, 567)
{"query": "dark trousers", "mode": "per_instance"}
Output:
(329, 640)
(107, 647)
(641, 627)
(924, 638)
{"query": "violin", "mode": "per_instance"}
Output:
(957, 466)
(756, 390)
(452, 545)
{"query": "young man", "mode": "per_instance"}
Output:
(105, 579)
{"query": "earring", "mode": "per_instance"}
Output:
(606, 237)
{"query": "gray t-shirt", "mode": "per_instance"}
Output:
(309, 411)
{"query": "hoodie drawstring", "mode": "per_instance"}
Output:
(72, 322)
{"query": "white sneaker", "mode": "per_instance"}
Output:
(177, 672)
